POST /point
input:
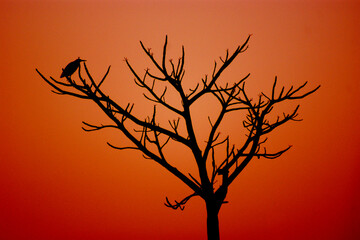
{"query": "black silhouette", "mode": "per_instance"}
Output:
(71, 68)
(151, 137)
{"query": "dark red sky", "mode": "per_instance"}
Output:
(58, 182)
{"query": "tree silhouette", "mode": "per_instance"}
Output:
(215, 174)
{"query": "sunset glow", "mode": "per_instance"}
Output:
(58, 182)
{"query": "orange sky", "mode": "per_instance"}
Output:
(58, 182)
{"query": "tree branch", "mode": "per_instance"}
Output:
(216, 74)
(179, 205)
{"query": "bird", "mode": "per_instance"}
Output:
(71, 68)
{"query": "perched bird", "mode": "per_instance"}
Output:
(71, 68)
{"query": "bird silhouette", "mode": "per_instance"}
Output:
(71, 68)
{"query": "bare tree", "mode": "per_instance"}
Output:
(152, 138)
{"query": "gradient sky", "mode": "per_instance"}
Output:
(59, 182)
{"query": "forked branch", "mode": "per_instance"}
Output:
(179, 205)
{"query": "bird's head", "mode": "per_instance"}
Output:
(80, 60)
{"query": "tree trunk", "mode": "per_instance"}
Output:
(212, 221)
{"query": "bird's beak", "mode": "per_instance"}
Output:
(82, 60)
